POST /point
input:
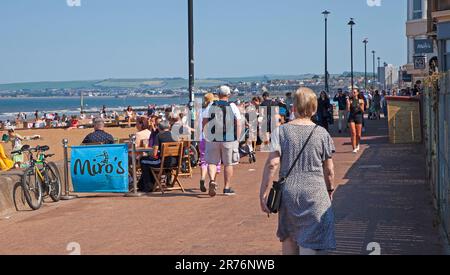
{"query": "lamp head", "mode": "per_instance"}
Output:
(352, 22)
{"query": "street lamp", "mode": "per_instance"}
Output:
(365, 62)
(379, 66)
(351, 23)
(374, 77)
(325, 14)
(191, 60)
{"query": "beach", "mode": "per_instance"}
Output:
(54, 137)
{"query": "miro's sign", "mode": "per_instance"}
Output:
(422, 46)
(100, 169)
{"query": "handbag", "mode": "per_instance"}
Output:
(274, 199)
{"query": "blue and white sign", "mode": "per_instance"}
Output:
(422, 46)
(100, 169)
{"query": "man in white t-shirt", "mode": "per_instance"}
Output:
(222, 128)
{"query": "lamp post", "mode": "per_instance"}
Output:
(351, 23)
(365, 62)
(325, 14)
(374, 76)
(379, 66)
(191, 59)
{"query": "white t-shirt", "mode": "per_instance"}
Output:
(205, 114)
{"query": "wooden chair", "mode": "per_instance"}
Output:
(186, 140)
(169, 149)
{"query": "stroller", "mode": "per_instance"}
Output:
(246, 150)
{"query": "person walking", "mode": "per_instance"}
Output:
(341, 99)
(323, 110)
(306, 221)
(376, 102)
(355, 107)
(222, 131)
(207, 101)
(384, 104)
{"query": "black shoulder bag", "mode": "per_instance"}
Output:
(274, 199)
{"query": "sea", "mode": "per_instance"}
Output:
(11, 107)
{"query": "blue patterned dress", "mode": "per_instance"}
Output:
(306, 213)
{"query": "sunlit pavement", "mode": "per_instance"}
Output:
(383, 203)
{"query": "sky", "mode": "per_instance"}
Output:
(47, 40)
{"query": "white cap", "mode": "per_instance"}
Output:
(224, 91)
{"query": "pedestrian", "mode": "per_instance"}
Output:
(268, 114)
(355, 107)
(222, 131)
(306, 221)
(323, 110)
(341, 99)
(376, 102)
(384, 104)
(207, 101)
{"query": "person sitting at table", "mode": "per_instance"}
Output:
(143, 132)
(99, 135)
(147, 181)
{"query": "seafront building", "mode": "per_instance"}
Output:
(421, 49)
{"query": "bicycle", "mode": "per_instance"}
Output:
(41, 178)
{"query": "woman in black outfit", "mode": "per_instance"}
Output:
(323, 110)
(355, 107)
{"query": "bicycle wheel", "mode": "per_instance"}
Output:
(32, 189)
(54, 181)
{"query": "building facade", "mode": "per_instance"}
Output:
(421, 50)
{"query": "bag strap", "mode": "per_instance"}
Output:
(301, 152)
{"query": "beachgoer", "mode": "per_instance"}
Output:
(306, 222)
(129, 115)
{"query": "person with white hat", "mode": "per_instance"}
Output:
(222, 129)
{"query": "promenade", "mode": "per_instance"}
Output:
(383, 197)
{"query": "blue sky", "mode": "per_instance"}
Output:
(47, 40)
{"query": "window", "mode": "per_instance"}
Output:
(447, 43)
(417, 9)
(443, 5)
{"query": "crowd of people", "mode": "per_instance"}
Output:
(294, 129)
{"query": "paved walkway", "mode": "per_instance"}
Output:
(383, 198)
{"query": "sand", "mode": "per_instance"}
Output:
(54, 137)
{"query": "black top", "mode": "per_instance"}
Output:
(323, 106)
(355, 107)
(342, 101)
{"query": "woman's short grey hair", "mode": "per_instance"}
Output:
(164, 125)
(305, 103)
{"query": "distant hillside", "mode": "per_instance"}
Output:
(148, 83)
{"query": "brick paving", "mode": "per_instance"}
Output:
(383, 198)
